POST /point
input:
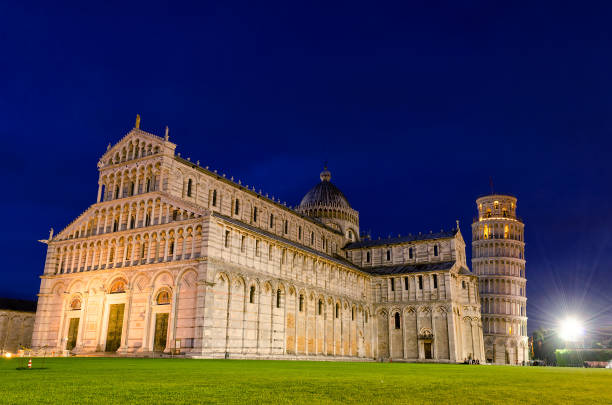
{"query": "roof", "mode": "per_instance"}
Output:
(270, 235)
(254, 193)
(18, 305)
(401, 239)
(415, 268)
(410, 268)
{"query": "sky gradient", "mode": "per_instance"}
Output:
(415, 106)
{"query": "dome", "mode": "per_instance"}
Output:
(324, 194)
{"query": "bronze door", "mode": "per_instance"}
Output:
(73, 332)
(427, 350)
(161, 332)
(115, 326)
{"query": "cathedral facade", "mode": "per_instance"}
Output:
(174, 257)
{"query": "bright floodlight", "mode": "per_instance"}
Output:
(571, 330)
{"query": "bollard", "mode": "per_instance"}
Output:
(30, 363)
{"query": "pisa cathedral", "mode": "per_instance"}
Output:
(174, 257)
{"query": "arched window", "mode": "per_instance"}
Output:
(143, 254)
(254, 214)
(463, 284)
(397, 320)
(420, 282)
(227, 238)
(368, 257)
(353, 314)
(132, 222)
(163, 298)
(252, 295)
(301, 307)
(132, 188)
(350, 234)
(286, 226)
(111, 256)
(435, 281)
(506, 232)
(189, 186)
(117, 287)
(171, 248)
(278, 298)
(237, 207)
(436, 250)
(214, 198)
(115, 225)
(320, 307)
(410, 253)
(271, 220)
(148, 188)
(147, 220)
(116, 192)
(366, 317)
(312, 238)
(299, 232)
(392, 280)
(388, 254)
(75, 304)
(243, 244)
(337, 310)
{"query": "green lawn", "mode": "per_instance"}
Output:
(120, 380)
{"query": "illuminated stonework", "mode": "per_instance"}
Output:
(174, 256)
(498, 258)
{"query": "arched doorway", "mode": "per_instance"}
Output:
(161, 322)
(115, 318)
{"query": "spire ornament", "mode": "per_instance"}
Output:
(137, 124)
(325, 174)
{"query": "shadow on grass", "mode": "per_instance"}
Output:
(31, 369)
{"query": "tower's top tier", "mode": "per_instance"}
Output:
(496, 206)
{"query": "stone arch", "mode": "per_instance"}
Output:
(140, 281)
(162, 277)
(76, 285)
(117, 283)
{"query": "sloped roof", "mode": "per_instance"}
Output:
(401, 239)
(336, 258)
(410, 268)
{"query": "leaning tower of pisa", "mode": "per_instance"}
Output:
(498, 258)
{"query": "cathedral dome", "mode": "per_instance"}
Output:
(324, 194)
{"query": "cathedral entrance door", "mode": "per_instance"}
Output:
(73, 332)
(115, 327)
(161, 332)
(427, 347)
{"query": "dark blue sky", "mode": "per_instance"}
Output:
(414, 105)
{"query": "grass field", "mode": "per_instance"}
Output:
(122, 380)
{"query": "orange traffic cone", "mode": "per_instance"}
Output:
(30, 363)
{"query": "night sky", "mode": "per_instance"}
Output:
(414, 106)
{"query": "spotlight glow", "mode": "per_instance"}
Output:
(8, 355)
(571, 330)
